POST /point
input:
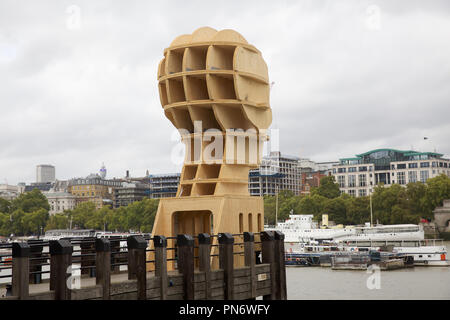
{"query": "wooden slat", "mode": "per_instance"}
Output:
(87, 293)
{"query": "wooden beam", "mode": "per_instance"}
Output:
(103, 266)
(20, 270)
(139, 245)
(61, 251)
(268, 256)
(160, 244)
(280, 266)
(226, 262)
(249, 253)
(185, 245)
(204, 255)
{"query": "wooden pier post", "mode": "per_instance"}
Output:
(160, 244)
(280, 266)
(139, 245)
(61, 254)
(20, 269)
(268, 256)
(204, 256)
(103, 266)
(226, 262)
(249, 254)
(185, 245)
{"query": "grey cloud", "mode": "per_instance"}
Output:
(76, 98)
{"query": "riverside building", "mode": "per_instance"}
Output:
(359, 175)
(163, 185)
(95, 189)
(277, 172)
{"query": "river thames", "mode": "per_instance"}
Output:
(410, 283)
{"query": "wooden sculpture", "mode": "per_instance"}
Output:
(214, 88)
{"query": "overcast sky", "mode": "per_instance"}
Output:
(349, 77)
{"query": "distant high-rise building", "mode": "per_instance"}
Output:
(277, 172)
(45, 173)
(164, 185)
(103, 171)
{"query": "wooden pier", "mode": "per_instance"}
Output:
(265, 277)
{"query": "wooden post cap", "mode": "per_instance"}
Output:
(60, 247)
(160, 241)
(267, 236)
(226, 238)
(185, 240)
(278, 235)
(102, 245)
(20, 249)
(249, 237)
(136, 242)
(204, 238)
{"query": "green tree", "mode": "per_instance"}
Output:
(336, 210)
(437, 189)
(30, 201)
(57, 221)
(5, 206)
(328, 188)
(357, 209)
(312, 204)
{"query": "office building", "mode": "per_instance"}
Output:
(130, 192)
(163, 185)
(45, 173)
(277, 172)
(359, 175)
(95, 189)
(60, 201)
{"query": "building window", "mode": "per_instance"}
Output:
(341, 181)
(341, 170)
(352, 192)
(412, 176)
(362, 192)
(424, 176)
(425, 164)
(352, 169)
(362, 168)
(401, 166)
(241, 223)
(362, 180)
(352, 181)
(412, 165)
(250, 222)
(401, 178)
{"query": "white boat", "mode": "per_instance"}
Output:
(302, 228)
(429, 252)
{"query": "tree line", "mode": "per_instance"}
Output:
(390, 205)
(28, 214)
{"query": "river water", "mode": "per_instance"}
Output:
(410, 283)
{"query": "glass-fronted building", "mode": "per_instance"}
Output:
(358, 175)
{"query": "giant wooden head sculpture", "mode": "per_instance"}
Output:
(214, 88)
